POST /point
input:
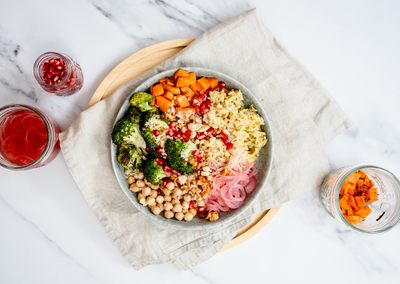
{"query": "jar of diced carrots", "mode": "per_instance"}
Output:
(365, 198)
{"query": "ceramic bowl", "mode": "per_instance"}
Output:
(264, 161)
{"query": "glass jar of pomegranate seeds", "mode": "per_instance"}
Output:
(28, 138)
(57, 73)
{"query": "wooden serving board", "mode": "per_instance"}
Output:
(144, 60)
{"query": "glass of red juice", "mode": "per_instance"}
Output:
(28, 137)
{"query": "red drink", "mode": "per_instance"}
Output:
(28, 138)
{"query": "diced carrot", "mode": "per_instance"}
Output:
(360, 201)
(352, 202)
(172, 89)
(213, 82)
(215, 89)
(350, 211)
(372, 191)
(181, 73)
(366, 181)
(168, 95)
(360, 184)
(344, 212)
(353, 219)
(344, 205)
(363, 212)
(371, 198)
(196, 88)
(351, 188)
(182, 82)
(353, 178)
(362, 174)
(371, 183)
(157, 90)
(182, 101)
(192, 78)
(344, 187)
(163, 80)
(204, 84)
(151, 89)
(187, 91)
(153, 102)
(163, 103)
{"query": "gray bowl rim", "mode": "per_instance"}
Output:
(183, 225)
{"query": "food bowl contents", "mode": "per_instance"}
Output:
(356, 190)
(189, 146)
(27, 136)
(58, 73)
(365, 198)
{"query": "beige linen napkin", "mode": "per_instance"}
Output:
(303, 118)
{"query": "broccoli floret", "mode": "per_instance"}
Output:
(148, 114)
(151, 142)
(134, 114)
(129, 158)
(153, 172)
(141, 100)
(128, 132)
(178, 153)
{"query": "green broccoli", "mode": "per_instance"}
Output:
(153, 172)
(148, 114)
(153, 141)
(129, 158)
(178, 153)
(141, 100)
(134, 114)
(128, 132)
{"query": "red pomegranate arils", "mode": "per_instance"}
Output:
(156, 132)
(188, 133)
(201, 215)
(185, 138)
(201, 136)
(202, 97)
(199, 159)
(191, 204)
(210, 131)
(221, 84)
(176, 172)
(198, 172)
(203, 105)
(160, 161)
(201, 209)
(195, 152)
(160, 151)
(208, 103)
(229, 146)
(167, 168)
(224, 135)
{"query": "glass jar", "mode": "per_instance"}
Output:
(57, 73)
(385, 213)
(28, 138)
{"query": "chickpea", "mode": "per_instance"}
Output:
(131, 180)
(185, 205)
(168, 214)
(167, 198)
(177, 192)
(187, 197)
(140, 183)
(175, 201)
(160, 199)
(168, 206)
(134, 188)
(177, 208)
(146, 191)
(193, 211)
(201, 203)
(142, 199)
(182, 179)
(140, 176)
(154, 186)
(156, 210)
(150, 200)
(170, 185)
(128, 173)
(153, 193)
(188, 217)
(161, 206)
(179, 216)
(184, 211)
(166, 191)
(136, 175)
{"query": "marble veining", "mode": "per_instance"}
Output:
(50, 235)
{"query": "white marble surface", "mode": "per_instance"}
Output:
(48, 233)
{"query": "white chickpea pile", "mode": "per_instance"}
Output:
(175, 200)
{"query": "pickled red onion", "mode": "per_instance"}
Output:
(230, 191)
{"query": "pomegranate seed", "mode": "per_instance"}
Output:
(188, 133)
(51, 61)
(195, 152)
(204, 111)
(160, 151)
(164, 184)
(226, 141)
(56, 62)
(158, 192)
(51, 69)
(164, 156)
(221, 84)
(206, 93)
(171, 133)
(198, 172)
(201, 215)
(160, 161)
(208, 103)
(59, 67)
(202, 97)
(46, 66)
(56, 73)
(168, 174)
(203, 105)
(148, 150)
(55, 78)
(50, 82)
(229, 146)
(156, 132)
(58, 81)
(49, 75)
(224, 135)
(201, 209)
(210, 131)
(167, 168)
(201, 136)
(196, 106)
(199, 159)
(185, 138)
(191, 204)
(176, 172)
(172, 125)
(61, 61)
